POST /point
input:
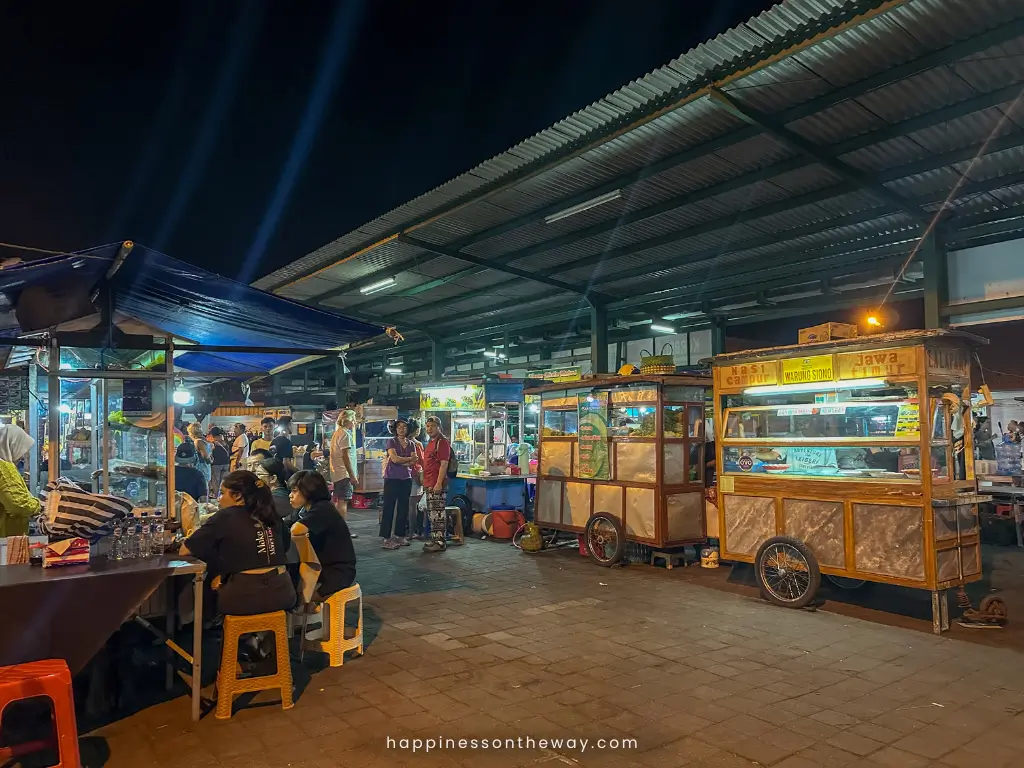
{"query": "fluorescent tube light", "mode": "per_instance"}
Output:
(380, 284)
(662, 328)
(815, 386)
(490, 353)
(392, 370)
(584, 206)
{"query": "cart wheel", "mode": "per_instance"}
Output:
(844, 582)
(466, 506)
(604, 539)
(787, 572)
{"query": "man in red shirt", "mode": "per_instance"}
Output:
(437, 456)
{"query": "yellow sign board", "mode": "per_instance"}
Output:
(750, 375)
(467, 398)
(877, 363)
(807, 370)
(908, 421)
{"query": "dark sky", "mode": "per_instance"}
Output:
(242, 135)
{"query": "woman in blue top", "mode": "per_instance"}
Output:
(397, 484)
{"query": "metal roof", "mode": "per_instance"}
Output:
(801, 153)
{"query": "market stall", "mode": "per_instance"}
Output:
(371, 446)
(851, 458)
(485, 420)
(622, 459)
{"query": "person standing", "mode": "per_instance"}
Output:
(220, 460)
(239, 448)
(281, 446)
(204, 460)
(343, 461)
(416, 495)
(401, 456)
(437, 456)
(266, 435)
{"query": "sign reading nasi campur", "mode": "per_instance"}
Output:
(805, 370)
(877, 363)
(750, 374)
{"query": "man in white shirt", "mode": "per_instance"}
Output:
(239, 448)
(343, 460)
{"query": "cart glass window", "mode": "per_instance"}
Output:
(560, 423)
(632, 421)
(880, 419)
(635, 393)
(940, 462)
(882, 462)
(685, 394)
(673, 419)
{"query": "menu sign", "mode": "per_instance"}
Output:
(592, 440)
(908, 421)
(557, 375)
(807, 370)
(948, 360)
(877, 364)
(750, 375)
(13, 393)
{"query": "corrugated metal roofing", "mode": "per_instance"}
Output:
(906, 90)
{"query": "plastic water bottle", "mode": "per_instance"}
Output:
(117, 545)
(145, 537)
(128, 541)
(157, 543)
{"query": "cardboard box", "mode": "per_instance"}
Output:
(827, 332)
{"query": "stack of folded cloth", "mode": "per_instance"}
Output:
(66, 552)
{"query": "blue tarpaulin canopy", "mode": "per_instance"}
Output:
(192, 304)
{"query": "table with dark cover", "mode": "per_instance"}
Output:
(70, 612)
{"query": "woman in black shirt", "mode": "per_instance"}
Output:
(245, 544)
(328, 533)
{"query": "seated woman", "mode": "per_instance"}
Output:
(272, 472)
(328, 533)
(245, 544)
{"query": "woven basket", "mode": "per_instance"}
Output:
(653, 365)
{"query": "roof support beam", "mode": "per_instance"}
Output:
(777, 129)
(994, 37)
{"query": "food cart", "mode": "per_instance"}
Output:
(483, 418)
(371, 445)
(622, 459)
(850, 458)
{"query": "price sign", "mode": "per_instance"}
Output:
(592, 439)
(908, 421)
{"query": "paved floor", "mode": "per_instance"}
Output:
(485, 642)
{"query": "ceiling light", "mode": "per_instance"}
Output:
(392, 370)
(64, 408)
(581, 207)
(181, 396)
(682, 315)
(662, 328)
(490, 353)
(815, 386)
(379, 285)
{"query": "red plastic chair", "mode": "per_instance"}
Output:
(52, 679)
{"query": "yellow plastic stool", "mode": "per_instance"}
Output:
(334, 644)
(228, 683)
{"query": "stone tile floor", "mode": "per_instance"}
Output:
(484, 642)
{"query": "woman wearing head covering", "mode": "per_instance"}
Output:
(17, 505)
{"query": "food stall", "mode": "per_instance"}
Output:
(622, 459)
(371, 446)
(850, 458)
(484, 419)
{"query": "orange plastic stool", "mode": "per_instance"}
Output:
(228, 683)
(52, 679)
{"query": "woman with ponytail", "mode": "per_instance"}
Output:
(245, 544)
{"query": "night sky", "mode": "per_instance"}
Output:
(242, 135)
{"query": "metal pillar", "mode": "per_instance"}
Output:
(32, 425)
(436, 359)
(53, 413)
(717, 335)
(936, 281)
(598, 338)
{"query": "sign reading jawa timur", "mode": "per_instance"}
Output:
(877, 363)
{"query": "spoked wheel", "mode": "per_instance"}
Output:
(787, 571)
(844, 582)
(605, 541)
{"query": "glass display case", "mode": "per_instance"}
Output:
(371, 445)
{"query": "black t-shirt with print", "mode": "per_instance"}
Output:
(232, 541)
(281, 446)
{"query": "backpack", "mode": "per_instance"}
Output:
(220, 455)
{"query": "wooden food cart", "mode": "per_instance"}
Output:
(622, 459)
(850, 458)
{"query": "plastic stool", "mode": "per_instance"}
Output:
(335, 644)
(228, 682)
(52, 679)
